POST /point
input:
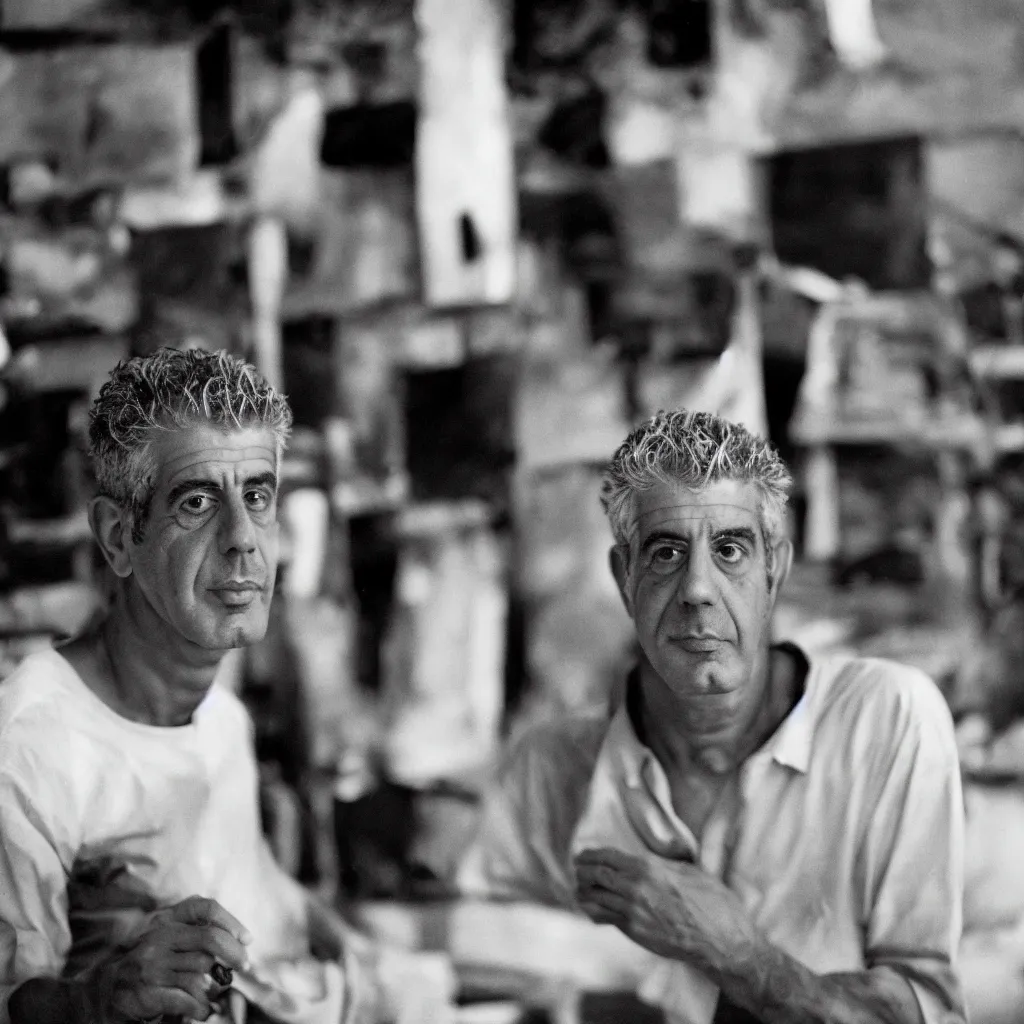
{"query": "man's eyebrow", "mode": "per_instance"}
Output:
(268, 479)
(736, 533)
(660, 536)
(744, 533)
(197, 484)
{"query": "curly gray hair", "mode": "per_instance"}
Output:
(694, 449)
(172, 389)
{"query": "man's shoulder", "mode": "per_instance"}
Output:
(583, 732)
(880, 681)
(38, 715)
(888, 697)
(567, 744)
(33, 694)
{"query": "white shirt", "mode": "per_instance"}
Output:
(844, 837)
(84, 792)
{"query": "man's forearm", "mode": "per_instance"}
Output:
(53, 1001)
(780, 990)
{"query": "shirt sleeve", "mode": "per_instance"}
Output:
(519, 849)
(34, 931)
(914, 857)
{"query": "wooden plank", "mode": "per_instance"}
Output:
(821, 520)
(433, 343)
(979, 181)
(466, 202)
(35, 14)
(199, 200)
(268, 270)
(541, 941)
(367, 47)
(959, 432)
(365, 249)
(105, 114)
(719, 189)
(444, 651)
(72, 364)
(367, 393)
(66, 278)
(570, 412)
(494, 330)
(953, 68)
(1002, 362)
(59, 608)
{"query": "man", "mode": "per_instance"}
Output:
(134, 876)
(784, 833)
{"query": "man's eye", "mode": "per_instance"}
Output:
(197, 504)
(731, 553)
(258, 501)
(666, 559)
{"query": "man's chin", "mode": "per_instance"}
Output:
(241, 638)
(703, 681)
(237, 631)
(699, 671)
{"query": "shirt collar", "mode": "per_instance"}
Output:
(790, 745)
(629, 803)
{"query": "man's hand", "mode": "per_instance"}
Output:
(165, 969)
(679, 911)
(673, 909)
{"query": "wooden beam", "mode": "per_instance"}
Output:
(880, 107)
(35, 14)
(570, 411)
(464, 160)
(542, 942)
(951, 68)
(69, 364)
(104, 114)
(268, 271)
(62, 276)
(365, 244)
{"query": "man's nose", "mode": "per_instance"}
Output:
(696, 582)
(237, 532)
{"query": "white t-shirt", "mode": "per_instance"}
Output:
(166, 813)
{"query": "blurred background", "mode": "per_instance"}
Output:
(475, 242)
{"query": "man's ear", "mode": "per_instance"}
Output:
(112, 530)
(618, 559)
(783, 551)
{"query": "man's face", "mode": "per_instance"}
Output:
(208, 557)
(697, 590)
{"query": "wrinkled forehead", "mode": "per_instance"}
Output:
(682, 511)
(205, 447)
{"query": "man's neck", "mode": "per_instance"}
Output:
(142, 674)
(687, 748)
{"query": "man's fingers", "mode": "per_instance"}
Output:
(215, 942)
(177, 1002)
(192, 963)
(204, 913)
(197, 988)
(223, 948)
(605, 898)
(600, 914)
(600, 875)
(605, 855)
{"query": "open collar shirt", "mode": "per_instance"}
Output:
(842, 836)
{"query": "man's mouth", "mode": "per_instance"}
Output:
(700, 643)
(237, 593)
